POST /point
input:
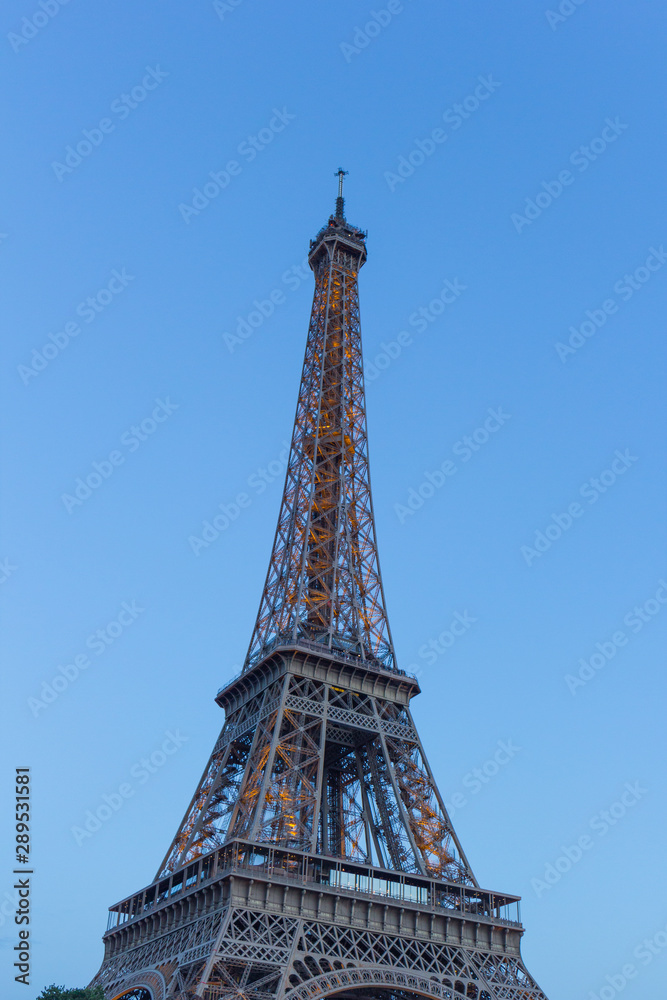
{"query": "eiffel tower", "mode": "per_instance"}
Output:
(316, 856)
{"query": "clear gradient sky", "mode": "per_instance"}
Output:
(165, 166)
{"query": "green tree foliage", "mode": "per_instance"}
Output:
(60, 993)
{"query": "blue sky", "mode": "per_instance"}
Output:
(540, 199)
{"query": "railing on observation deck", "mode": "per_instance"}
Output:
(300, 868)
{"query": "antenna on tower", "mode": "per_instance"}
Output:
(340, 201)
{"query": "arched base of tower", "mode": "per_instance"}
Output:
(145, 985)
(388, 984)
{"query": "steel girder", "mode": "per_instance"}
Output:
(324, 769)
(323, 582)
(257, 946)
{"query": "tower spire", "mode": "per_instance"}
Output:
(340, 201)
(323, 585)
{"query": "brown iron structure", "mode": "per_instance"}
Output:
(316, 856)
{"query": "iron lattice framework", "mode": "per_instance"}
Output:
(320, 758)
(324, 582)
(316, 856)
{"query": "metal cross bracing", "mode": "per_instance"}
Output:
(316, 856)
(323, 582)
(257, 922)
(323, 757)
